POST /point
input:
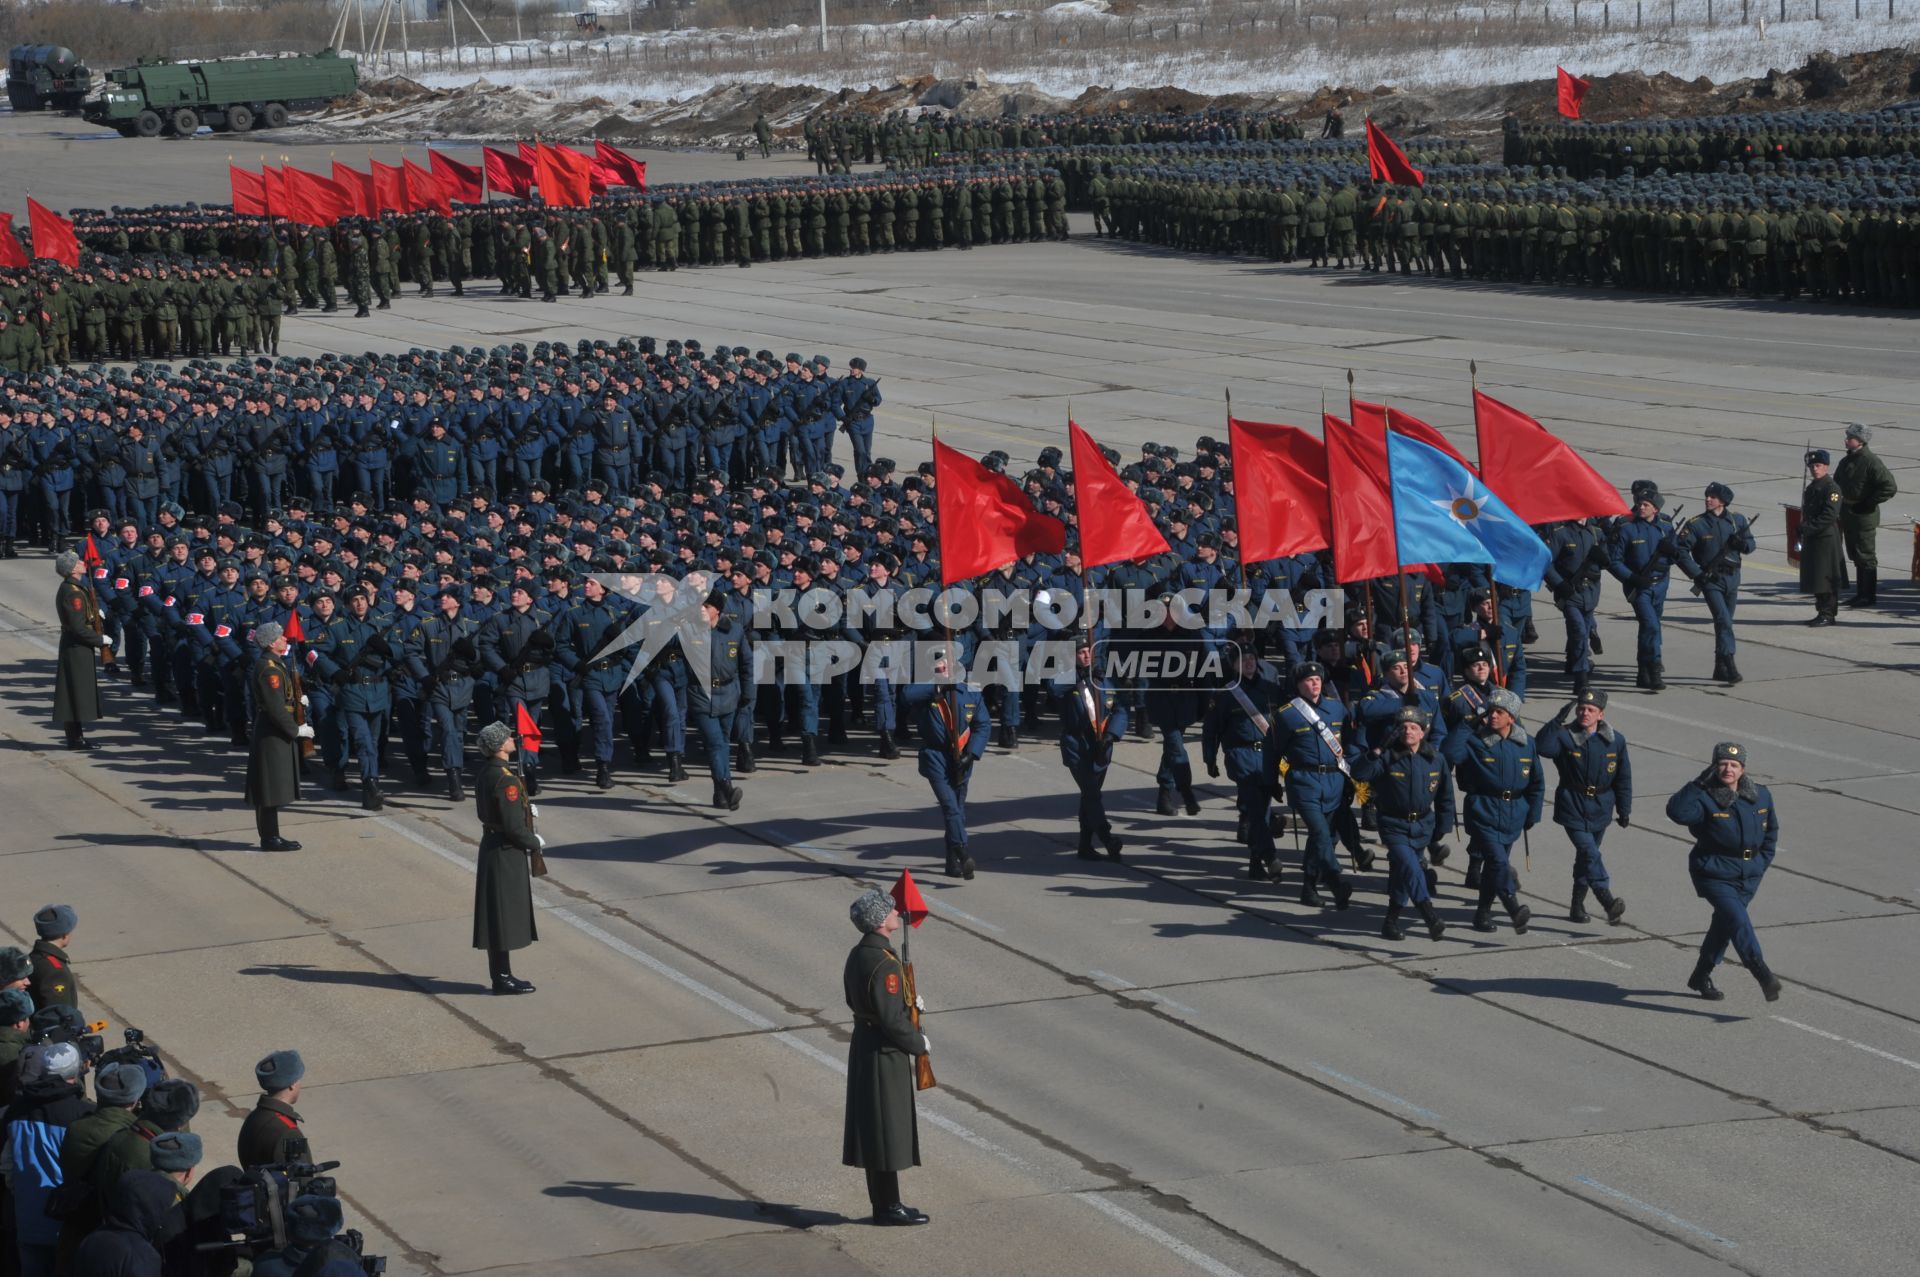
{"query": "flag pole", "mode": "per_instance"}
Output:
(1366, 587)
(1479, 447)
(1400, 569)
(1240, 553)
(1086, 585)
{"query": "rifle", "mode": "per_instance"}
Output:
(863, 407)
(366, 650)
(97, 621)
(300, 708)
(923, 1079)
(1713, 565)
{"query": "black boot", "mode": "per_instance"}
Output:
(1733, 672)
(533, 783)
(1616, 907)
(1641, 677)
(809, 750)
(1577, 912)
(1483, 918)
(676, 768)
(1656, 677)
(1593, 642)
(370, 795)
(1240, 831)
(1111, 841)
(744, 764)
(1193, 804)
(1309, 895)
(728, 796)
(1086, 851)
(1520, 914)
(1719, 669)
(1870, 578)
(1436, 929)
(1473, 876)
(1529, 635)
(1164, 806)
(1769, 983)
(603, 775)
(953, 861)
(1369, 821)
(1581, 681)
(1391, 928)
(337, 777)
(1342, 893)
(454, 792)
(888, 749)
(1701, 981)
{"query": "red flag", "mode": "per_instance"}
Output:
(91, 555)
(1363, 542)
(526, 729)
(529, 152)
(908, 900)
(53, 235)
(564, 175)
(631, 172)
(986, 521)
(389, 188)
(1279, 490)
(295, 632)
(506, 173)
(1388, 163)
(274, 183)
(312, 200)
(1412, 427)
(249, 192)
(1114, 523)
(1539, 477)
(359, 189)
(1572, 89)
(11, 251)
(460, 181)
(424, 191)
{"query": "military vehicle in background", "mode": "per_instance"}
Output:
(229, 95)
(46, 77)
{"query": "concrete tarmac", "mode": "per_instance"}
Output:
(1154, 1067)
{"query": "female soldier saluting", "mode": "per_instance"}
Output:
(1735, 830)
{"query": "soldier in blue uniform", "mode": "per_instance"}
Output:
(1240, 722)
(1710, 546)
(1487, 630)
(590, 626)
(954, 728)
(1310, 736)
(1641, 557)
(408, 710)
(856, 397)
(1596, 786)
(1413, 795)
(1573, 574)
(714, 695)
(1735, 834)
(355, 658)
(517, 646)
(1092, 719)
(1499, 772)
(1173, 706)
(443, 657)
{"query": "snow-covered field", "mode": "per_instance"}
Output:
(1267, 48)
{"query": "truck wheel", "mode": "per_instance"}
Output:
(239, 118)
(275, 115)
(148, 124)
(185, 122)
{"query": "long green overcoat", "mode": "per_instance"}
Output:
(503, 887)
(881, 1132)
(76, 681)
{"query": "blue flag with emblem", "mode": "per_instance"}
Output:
(1443, 513)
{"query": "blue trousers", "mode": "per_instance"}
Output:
(1647, 606)
(951, 795)
(1730, 923)
(364, 732)
(717, 731)
(1176, 769)
(599, 710)
(450, 733)
(1579, 634)
(1589, 870)
(803, 703)
(1720, 597)
(320, 484)
(1320, 862)
(862, 440)
(371, 480)
(886, 715)
(720, 459)
(1250, 800)
(142, 510)
(10, 514)
(1093, 803)
(410, 716)
(664, 704)
(1406, 880)
(1496, 869)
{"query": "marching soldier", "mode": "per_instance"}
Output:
(1413, 796)
(1573, 574)
(713, 695)
(509, 860)
(76, 684)
(1596, 786)
(517, 647)
(444, 657)
(355, 658)
(1865, 485)
(1092, 719)
(1499, 771)
(1710, 546)
(1641, 558)
(1823, 564)
(881, 1135)
(1735, 834)
(273, 761)
(1240, 722)
(954, 728)
(590, 629)
(1309, 737)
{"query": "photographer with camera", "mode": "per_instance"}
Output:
(271, 1135)
(142, 1213)
(315, 1245)
(51, 1100)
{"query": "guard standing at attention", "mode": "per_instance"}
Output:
(882, 1137)
(503, 887)
(1823, 564)
(1735, 833)
(273, 759)
(76, 683)
(1865, 485)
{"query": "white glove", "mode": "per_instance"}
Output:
(919, 1004)
(533, 809)
(926, 1044)
(541, 840)
(106, 641)
(305, 732)
(304, 702)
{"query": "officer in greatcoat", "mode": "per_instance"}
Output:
(273, 758)
(503, 886)
(882, 1137)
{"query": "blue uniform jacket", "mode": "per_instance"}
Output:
(1504, 783)
(1412, 792)
(972, 725)
(1086, 744)
(1595, 778)
(1733, 838)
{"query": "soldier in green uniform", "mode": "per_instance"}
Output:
(763, 135)
(882, 1137)
(385, 274)
(503, 889)
(271, 1133)
(666, 235)
(545, 263)
(1823, 565)
(273, 759)
(1865, 485)
(52, 982)
(359, 274)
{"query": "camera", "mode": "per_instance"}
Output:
(253, 1205)
(137, 1051)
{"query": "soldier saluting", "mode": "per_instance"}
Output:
(882, 1137)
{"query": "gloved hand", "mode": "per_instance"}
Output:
(541, 839)
(919, 1004)
(305, 732)
(533, 809)
(926, 1044)
(304, 702)
(1621, 820)
(1213, 771)
(106, 641)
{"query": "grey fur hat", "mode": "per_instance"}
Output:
(870, 910)
(120, 1083)
(265, 636)
(1501, 698)
(65, 562)
(1859, 430)
(493, 736)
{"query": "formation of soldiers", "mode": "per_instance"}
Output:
(1705, 144)
(423, 529)
(197, 282)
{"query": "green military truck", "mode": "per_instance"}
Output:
(229, 95)
(46, 77)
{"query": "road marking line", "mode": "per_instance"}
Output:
(1755, 736)
(1131, 987)
(1858, 1046)
(788, 1038)
(1588, 953)
(1655, 1211)
(941, 906)
(1374, 1091)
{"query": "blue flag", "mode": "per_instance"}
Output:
(1442, 513)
